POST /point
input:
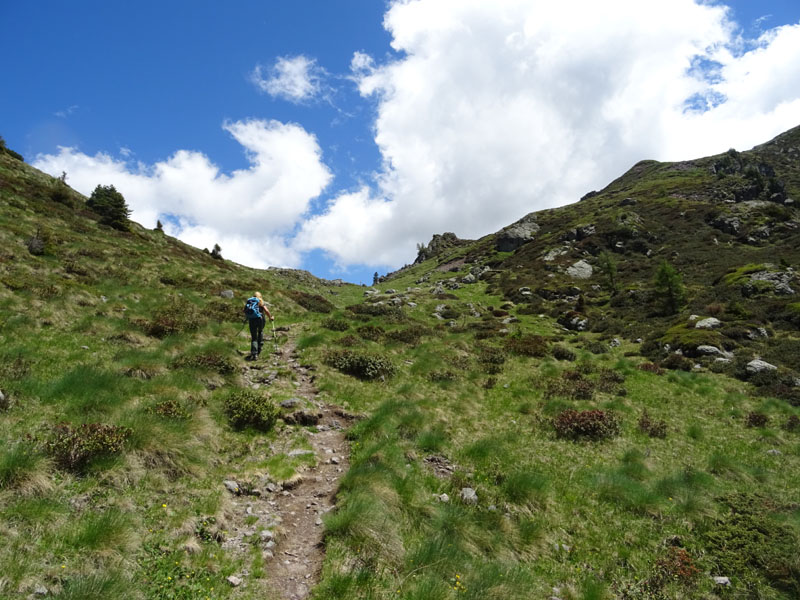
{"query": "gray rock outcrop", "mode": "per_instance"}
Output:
(580, 270)
(516, 234)
(709, 323)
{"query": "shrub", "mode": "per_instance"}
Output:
(170, 408)
(677, 362)
(248, 408)
(371, 332)
(570, 387)
(677, 566)
(110, 205)
(652, 427)
(177, 316)
(61, 193)
(410, 335)
(442, 375)
(37, 244)
(560, 352)
(311, 302)
(596, 347)
(209, 360)
(527, 345)
(792, 423)
(335, 324)
(749, 539)
(358, 364)
(450, 313)
(224, 311)
(649, 367)
(376, 310)
(491, 358)
(73, 448)
(587, 424)
(348, 341)
(756, 419)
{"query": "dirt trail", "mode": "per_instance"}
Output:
(294, 556)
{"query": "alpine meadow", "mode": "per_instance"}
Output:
(598, 401)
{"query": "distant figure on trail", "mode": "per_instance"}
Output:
(256, 312)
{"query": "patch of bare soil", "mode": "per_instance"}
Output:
(292, 510)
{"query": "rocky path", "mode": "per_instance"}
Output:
(292, 510)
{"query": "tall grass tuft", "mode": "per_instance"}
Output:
(18, 463)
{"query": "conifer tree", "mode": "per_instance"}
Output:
(608, 267)
(107, 202)
(669, 288)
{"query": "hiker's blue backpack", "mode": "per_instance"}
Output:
(251, 308)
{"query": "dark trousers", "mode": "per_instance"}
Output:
(256, 335)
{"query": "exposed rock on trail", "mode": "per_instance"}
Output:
(292, 510)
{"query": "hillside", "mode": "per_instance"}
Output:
(505, 418)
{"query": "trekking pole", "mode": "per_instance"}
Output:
(238, 333)
(274, 337)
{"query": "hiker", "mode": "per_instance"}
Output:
(256, 312)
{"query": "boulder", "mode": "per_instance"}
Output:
(709, 323)
(554, 254)
(730, 225)
(723, 581)
(468, 496)
(759, 366)
(580, 270)
(779, 280)
(226, 294)
(469, 278)
(232, 487)
(290, 402)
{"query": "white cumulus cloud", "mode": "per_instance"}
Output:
(296, 78)
(495, 109)
(251, 212)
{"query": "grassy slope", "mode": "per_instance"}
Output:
(593, 518)
(76, 326)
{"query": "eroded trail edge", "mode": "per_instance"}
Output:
(286, 517)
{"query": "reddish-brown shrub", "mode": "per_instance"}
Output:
(653, 428)
(756, 419)
(587, 424)
(649, 367)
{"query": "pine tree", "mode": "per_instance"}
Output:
(608, 267)
(107, 202)
(669, 288)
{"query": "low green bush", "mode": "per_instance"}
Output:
(560, 352)
(751, 542)
(208, 360)
(335, 324)
(176, 316)
(311, 302)
(73, 448)
(527, 345)
(361, 365)
(248, 408)
(373, 333)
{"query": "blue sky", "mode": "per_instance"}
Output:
(333, 136)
